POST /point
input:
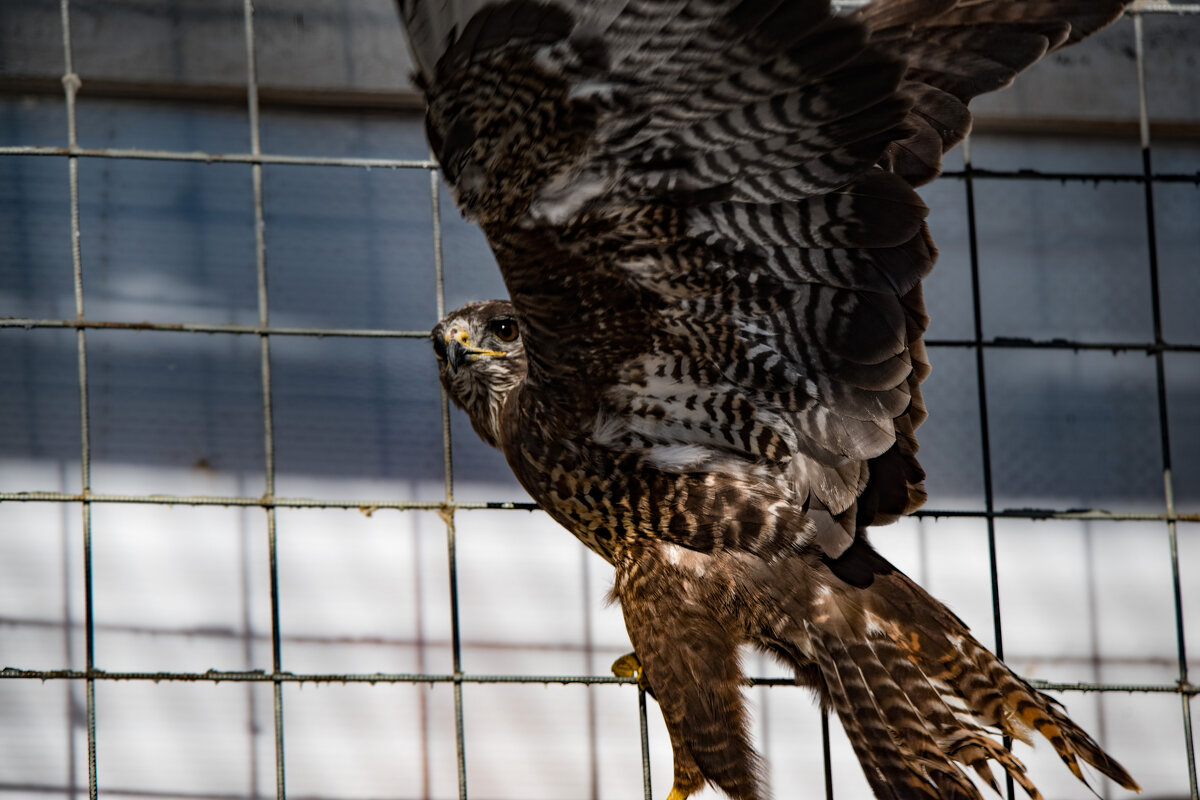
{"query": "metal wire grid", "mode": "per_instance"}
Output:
(448, 508)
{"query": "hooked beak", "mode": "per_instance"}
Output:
(459, 351)
(456, 355)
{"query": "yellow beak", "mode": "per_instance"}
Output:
(459, 350)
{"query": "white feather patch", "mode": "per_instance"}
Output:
(590, 88)
(561, 199)
(685, 558)
(609, 431)
(678, 457)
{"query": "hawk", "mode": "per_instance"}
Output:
(710, 367)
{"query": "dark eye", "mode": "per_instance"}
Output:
(439, 345)
(504, 329)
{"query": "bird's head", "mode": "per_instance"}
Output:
(481, 359)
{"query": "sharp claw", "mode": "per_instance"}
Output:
(628, 666)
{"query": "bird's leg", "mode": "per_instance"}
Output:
(688, 654)
(687, 776)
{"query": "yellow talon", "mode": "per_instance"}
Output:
(677, 794)
(628, 666)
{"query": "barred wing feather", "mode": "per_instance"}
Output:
(705, 205)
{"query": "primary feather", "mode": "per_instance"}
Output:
(704, 211)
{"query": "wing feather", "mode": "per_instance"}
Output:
(958, 50)
(704, 212)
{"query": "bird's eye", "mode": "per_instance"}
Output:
(504, 329)
(439, 345)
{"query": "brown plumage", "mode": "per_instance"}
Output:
(709, 370)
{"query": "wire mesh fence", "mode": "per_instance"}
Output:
(983, 352)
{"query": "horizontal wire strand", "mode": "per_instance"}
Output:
(275, 159)
(371, 506)
(262, 676)
(1002, 342)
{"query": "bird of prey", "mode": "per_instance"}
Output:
(710, 367)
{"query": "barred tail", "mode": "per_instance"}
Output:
(918, 696)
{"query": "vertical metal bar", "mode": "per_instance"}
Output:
(439, 274)
(589, 652)
(985, 445)
(827, 756)
(456, 654)
(644, 732)
(448, 511)
(260, 252)
(1163, 419)
(763, 719)
(246, 541)
(71, 85)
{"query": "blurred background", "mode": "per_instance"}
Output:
(262, 594)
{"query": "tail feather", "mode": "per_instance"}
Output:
(1025, 710)
(961, 739)
(886, 770)
(915, 732)
(921, 700)
(895, 742)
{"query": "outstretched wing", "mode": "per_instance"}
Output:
(705, 216)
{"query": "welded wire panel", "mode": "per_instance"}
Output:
(245, 549)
